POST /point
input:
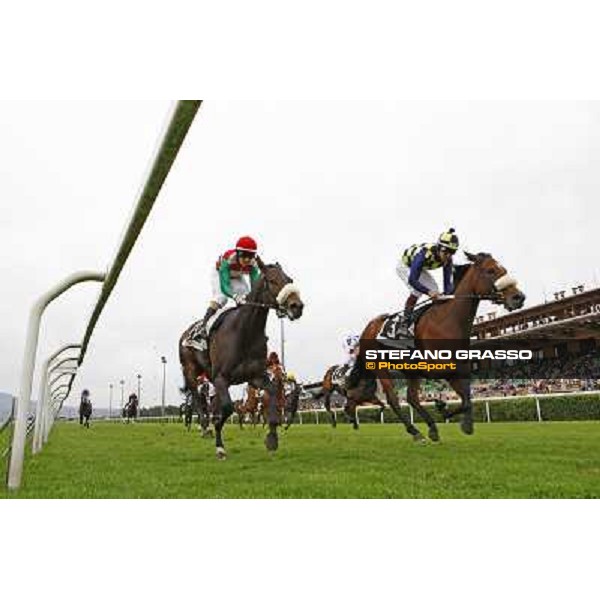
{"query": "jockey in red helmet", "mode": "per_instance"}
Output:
(230, 279)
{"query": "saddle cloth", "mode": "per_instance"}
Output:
(399, 336)
(392, 328)
(212, 324)
(338, 377)
(215, 320)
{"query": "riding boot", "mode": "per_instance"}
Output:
(408, 311)
(200, 331)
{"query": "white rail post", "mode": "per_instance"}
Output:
(300, 417)
(317, 416)
(412, 414)
(56, 398)
(42, 396)
(538, 408)
(487, 412)
(38, 443)
(46, 420)
(381, 419)
(15, 470)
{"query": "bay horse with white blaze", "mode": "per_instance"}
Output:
(484, 278)
(237, 348)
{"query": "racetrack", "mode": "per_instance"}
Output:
(502, 460)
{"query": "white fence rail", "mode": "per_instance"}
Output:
(321, 417)
(179, 122)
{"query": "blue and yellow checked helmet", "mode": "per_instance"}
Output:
(449, 240)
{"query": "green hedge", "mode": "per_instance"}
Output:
(571, 407)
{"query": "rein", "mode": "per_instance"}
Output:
(492, 296)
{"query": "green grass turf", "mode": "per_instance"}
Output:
(502, 460)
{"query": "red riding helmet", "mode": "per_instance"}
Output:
(246, 244)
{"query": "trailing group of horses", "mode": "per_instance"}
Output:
(129, 412)
(237, 351)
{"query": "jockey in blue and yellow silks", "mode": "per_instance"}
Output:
(416, 262)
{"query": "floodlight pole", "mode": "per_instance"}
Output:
(15, 470)
(164, 374)
(122, 383)
(139, 378)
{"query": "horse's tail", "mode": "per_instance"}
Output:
(359, 370)
(326, 386)
(319, 393)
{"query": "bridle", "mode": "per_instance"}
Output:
(495, 295)
(276, 302)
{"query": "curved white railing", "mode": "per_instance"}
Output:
(180, 120)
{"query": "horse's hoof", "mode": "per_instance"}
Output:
(434, 435)
(271, 442)
(418, 438)
(221, 453)
(207, 433)
(467, 427)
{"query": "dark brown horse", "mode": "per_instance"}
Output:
(85, 411)
(332, 385)
(449, 320)
(237, 348)
(130, 410)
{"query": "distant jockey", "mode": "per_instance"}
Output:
(274, 365)
(273, 360)
(230, 280)
(85, 396)
(351, 344)
(205, 385)
(416, 262)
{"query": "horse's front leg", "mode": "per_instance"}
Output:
(224, 409)
(412, 397)
(350, 410)
(204, 417)
(387, 385)
(271, 416)
(327, 404)
(463, 388)
(293, 409)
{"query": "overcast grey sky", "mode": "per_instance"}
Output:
(333, 190)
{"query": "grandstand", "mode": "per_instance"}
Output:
(566, 326)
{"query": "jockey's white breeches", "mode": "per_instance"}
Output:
(239, 286)
(426, 279)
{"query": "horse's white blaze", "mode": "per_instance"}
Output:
(505, 281)
(286, 291)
